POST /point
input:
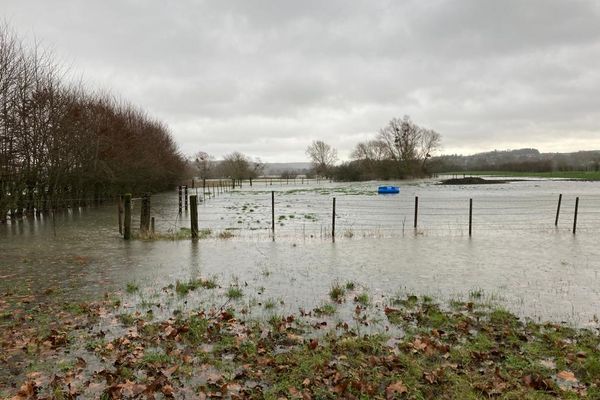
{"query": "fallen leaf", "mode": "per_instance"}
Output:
(566, 376)
(395, 388)
(167, 390)
(130, 388)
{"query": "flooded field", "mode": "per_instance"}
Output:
(516, 256)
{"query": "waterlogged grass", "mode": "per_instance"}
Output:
(234, 293)
(270, 304)
(183, 288)
(337, 292)
(327, 309)
(584, 175)
(423, 350)
(132, 287)
(226, 234)
(126, 319)
(180, 234)
(363, 299)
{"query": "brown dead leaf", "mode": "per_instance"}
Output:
(130, 388)
(567, 376)
(294, 393)
(430, 377)
(295, 338)
(419, 345)
(167, 390)
(26, 391)
(390, 310)
(80, 363)
(170, 332)
(537, 382)
(397, 387)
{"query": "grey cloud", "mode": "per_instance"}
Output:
(266, 77)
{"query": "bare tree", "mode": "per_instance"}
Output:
(372, 150)
(61, 145)
(408, 144)
(430, 141)
(204, 164)
(323, 157)
(239, 166)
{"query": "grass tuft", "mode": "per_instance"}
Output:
(337, 292)
(234, 293)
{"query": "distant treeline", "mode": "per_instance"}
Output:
(521, 160)
(61, 145)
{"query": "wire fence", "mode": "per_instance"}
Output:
(298, 215)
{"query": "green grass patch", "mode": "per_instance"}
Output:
(234, 293)
(426, 350)
(337, 292)
(126, 319)
(132, 287)
(584, 175)
(363, 299)
(325, 309)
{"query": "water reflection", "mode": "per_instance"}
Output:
(545, 272)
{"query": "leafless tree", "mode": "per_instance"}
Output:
(372, 150)
(204, 163)
(408, 144)
(238, 166)
(61, 145)
(323, 157)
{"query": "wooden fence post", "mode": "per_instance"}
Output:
(575, 216)
(127, 222)
(120, 211)
(180, 199)
(194, 216)
(558, 209)
(470, 216)
(273, 213)
(145, 214)
(185, 199)
(416, 210)
(152, 226)
(333, 223)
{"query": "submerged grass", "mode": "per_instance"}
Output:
(181, 234)
(424, 350)
(183, 288)
(337, 292)
(234, 293)
(132, 287)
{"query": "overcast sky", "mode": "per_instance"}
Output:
(268, 77)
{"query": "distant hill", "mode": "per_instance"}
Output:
(276, 169)
(526, 160)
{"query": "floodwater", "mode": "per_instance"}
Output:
(515, 256)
